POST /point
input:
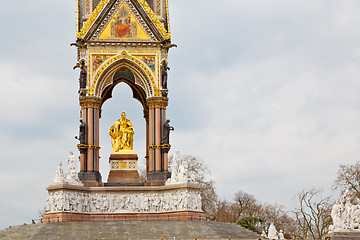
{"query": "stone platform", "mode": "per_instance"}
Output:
(135, 230)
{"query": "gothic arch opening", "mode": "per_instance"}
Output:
(121, 101)
(124, 74)
(127, 71)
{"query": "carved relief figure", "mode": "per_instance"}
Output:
(69, 201)
(121, 134)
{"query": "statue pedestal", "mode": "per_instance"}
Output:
(123, 169)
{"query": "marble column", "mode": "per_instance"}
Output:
(157, 162)
(89, 153)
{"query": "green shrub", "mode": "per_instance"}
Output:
(250, 223)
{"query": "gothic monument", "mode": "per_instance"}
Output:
(123, 41)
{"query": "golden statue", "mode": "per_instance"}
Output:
(122, 133)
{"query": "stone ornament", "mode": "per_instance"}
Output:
(71, 177)
(59, 176)
(81, 202)
(272, 232)
(346, 213)
(281, 235)
(179, 171)
(123, 165)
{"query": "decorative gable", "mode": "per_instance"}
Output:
(123, 20)
(123, 26)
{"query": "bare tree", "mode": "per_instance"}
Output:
(209, 199)
(349, 177)
(313, 214)
(247, 211)
(244, 205)
(223, 212)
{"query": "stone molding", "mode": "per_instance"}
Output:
(157, 102)
(90, 102)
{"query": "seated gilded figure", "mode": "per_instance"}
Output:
(122, 133)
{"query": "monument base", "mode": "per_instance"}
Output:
(123, 169)
(123, 203)
(78, 217)
(344, 235)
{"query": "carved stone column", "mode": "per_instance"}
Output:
(89, 152)
(157, 162)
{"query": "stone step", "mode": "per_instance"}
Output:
(126, 230)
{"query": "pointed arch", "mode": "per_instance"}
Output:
(137, 78)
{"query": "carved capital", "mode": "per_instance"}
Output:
(157, 102)
(90, 102)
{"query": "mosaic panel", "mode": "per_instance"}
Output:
(97, 60)
(123, 26)
(149, 60)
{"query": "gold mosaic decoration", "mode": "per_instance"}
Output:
(153, 17)
(97, 60)
(124, 55)
(123, 26)
(115, 165)
(92, 18)
(123, 165)
(148, 60)
(132, 165)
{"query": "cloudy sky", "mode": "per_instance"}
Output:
(265, 92)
